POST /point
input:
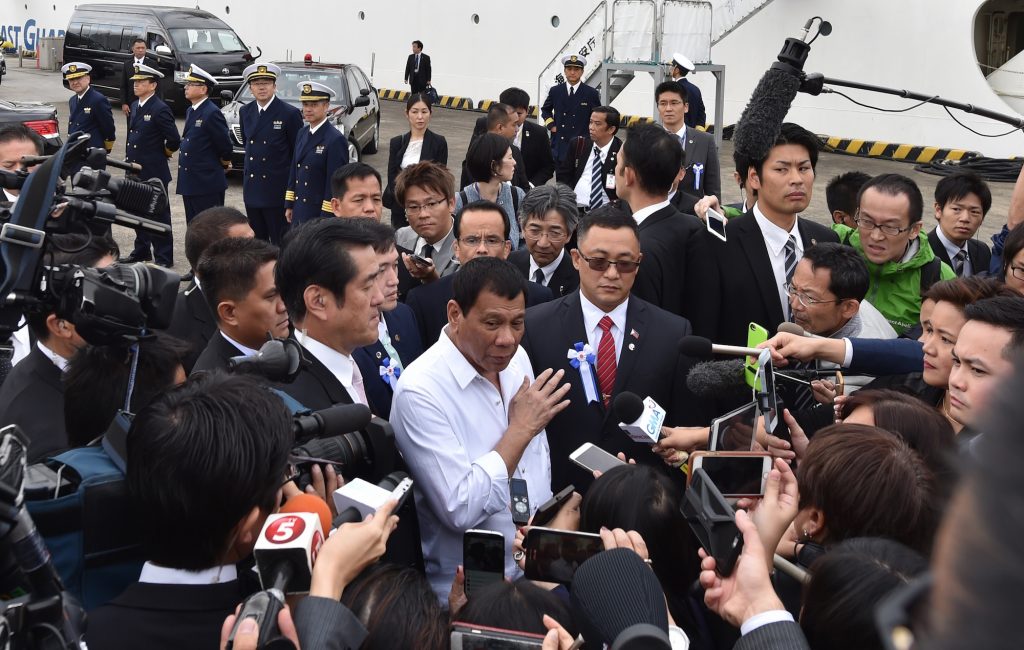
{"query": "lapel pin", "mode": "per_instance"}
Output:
(378, 355)
(635, 334)
(397, 337)
(814, 242)
(632, 346)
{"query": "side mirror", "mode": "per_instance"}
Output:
(162, 49)
(362, 100)
(227, 95)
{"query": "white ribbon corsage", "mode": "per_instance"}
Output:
(581, 356)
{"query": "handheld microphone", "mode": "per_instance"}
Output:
(335, 420)
(793, 328)
(358, 498)
(309, 503)
(641, 419)
(702, 348)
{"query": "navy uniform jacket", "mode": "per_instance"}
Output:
(205, 151)
(405, 338)
(152, 138)
(696, 115)
(309, 180)
(92, 115)
(269, 141)
(570, 116)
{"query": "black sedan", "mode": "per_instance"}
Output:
(355, 110)
(41, 118)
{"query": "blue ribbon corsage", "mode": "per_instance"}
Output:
(581, 356)
(698, 172)
(389, 373)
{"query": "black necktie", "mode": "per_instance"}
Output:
(572, 91)
(958, 262)
(427, 252)
(538, 276)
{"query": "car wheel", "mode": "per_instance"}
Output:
(375, 140)
(353, 152)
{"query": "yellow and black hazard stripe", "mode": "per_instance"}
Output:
(485, 105)
(892, 151)
(629, 121)
(397, 95)
(460, 103)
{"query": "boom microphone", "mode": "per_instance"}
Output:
(332, 421)
(718, 380)
(699, 347)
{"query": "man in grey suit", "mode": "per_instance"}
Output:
(427, 191)
(703, 175)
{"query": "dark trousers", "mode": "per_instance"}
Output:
(196, 203)
(417, 86)
(267, 224)
(163, 245)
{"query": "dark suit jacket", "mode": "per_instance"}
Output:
(216, 354)
(696, 115)
(32, 397)
(701, 150)
(326, 624)
(316, 387)
(886, 356)
(92, 115)
(569, 115)
(205, 151)
(269, 143)
(536, 148)
(435, 148)
(405, 338)
(152, 138)
(671, 269)
(684, 201)
(648, 365)
(738, 285)
(192, 321)
(579, 156)
(315, 158)
(977, 250)
(564, 280)
(429, 303)
(161, 616)
(417, 79)
(784, 635)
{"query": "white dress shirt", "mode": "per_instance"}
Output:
(582, 188)
(518, 140)
(342, 366)
(196, 106)
(162, 575)
(412, 153)
(264, 107)
(546, 270)
(436, 246)
(13, 198)
(448, 419)
(952, 249)
(775, 239)
(314, 129)
(643, 213)
(247, 351)
(59, 361)
(592, 315)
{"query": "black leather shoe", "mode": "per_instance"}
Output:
(136, 257)
(188, 277)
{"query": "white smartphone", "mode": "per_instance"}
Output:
(715, 223)
(592, 458)
(734, 431)
(735, 473)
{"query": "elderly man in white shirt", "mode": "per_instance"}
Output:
(469, 417)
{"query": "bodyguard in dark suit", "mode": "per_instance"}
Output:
(269, 127)
(481, 230)
(589, 167)
(976, 259)
(744, 280)
(152, 140)
(549, 223)
(567, 108)
(32, 396)
(634, 348)
(417, 68)
(192, 321)
(319, 150)
(531, 138)
(90, 111)
(205, 154)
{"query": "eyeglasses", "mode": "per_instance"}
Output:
(429, 205)
(889, 231)
(490, 242)
(896, 613)
(803, 298)
(1017, 272)
(534, 233)
(601, 264)
(674, 104)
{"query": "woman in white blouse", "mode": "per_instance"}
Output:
(491, 165)
(417, 145)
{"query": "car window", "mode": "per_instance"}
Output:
(205, 40)
(353, 85)
(363, 81)
(288, 84)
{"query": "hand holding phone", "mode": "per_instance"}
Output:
(483, 559)
(550, 508)
(736, 474)
(712, 520)
(554, 555)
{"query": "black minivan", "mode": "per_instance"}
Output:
(102, 35)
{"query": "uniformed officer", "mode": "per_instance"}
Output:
(680, 67)
(152, 139)
(90, 111)
(205, 155)
(269, 127)
(566, 111)
(319, 150)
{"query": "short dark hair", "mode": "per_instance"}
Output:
(138, 39)
(1012, 245)
(397, 607)
(841, 192)
(497, 114)
(670, 86)
(789, 133)
(200, 458)
(382, 234)
(608, 216)
(611, 116)
(961, 292)
(485, 154)
(849, 277)
(418, 44)
(1004, 312)
(210, 225)
(96, 382)
(896, 185)
(354, 170)
(482, 205)
(15, 132)
(515, 97)
(229, 267)
(486, 274)
(958, 185)
(317, 252)
(655, 155)
(426, 174)
(415, 98)
(519, 606)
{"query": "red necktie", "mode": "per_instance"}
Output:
(606, 360)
